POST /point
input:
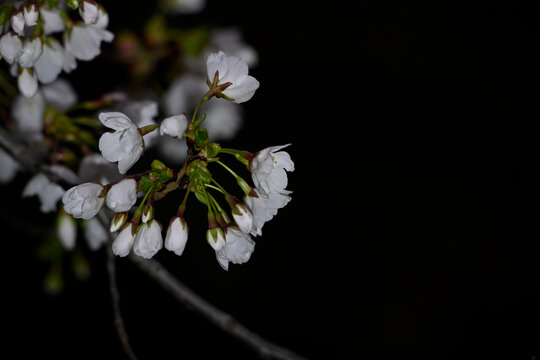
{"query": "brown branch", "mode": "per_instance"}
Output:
(115, 297)
(221, 319)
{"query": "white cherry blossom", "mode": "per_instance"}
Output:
(66, 229)
(124, 145)
(28, 116)
(30, 52)
(89, 12)
(174, 126)
(9, 167)
(177, 235)
(122, 196)
(59, 94)
(264, 208)
(187, 6)
(30, 14)
(27, 82)
(269, 168)
(10, 47)
(148, 240)
(234, 70)
(17, 22)
(237, 249)
(51, 62)
(48, 192)
(52, 21)
(95, 234)
(83, 201)
(123, 243)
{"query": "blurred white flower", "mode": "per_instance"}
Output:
(229, 40)
(95, 234)
(234, 70)
(95, 167)
(177, 235)
(10, 47)
(85, 41)
(50, 63)
(122, 244)
(148, 240)
(64, 173)
(51, 19)
(17, 22)
(184, 93)
(173, 150)
(264, 208)
(9, 167)
(59, 94)
(268, 169)
(174, 126)
(223, 119)
(187, 6)
(31, 14)
(48, 192)
(237, 249)
(124, 145)
(66, 229)
(28, 115)
(27, 82)
(30, 53)
(83, 201)
(122, 196)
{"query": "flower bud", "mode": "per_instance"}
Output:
(118, 221)
(174, 126)
(177, 235)
(66, 229)
(243, 217)
(89, 12)
(216, 238)
(122, 196)
(17, 22)
(27, 82)
(30, 14)
(121, 246)
(148, 213)
(30, 53)
(148, 240)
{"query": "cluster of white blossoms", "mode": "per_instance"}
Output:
(42, 41)
(229, 232)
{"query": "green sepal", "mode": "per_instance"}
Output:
(145, 184)
(72, 4)
(201, 138)
(161, 172)
(211, 150)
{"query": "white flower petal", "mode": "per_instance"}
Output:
(51, 62)
(27, 82)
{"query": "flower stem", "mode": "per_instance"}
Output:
(138, 213)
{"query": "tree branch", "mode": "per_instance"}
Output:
(115, 297)
(221, 319)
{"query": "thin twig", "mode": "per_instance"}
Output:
(115, 297)
(221, 319)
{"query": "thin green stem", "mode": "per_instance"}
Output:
(137, 215)
(228, 169)
(214, 187)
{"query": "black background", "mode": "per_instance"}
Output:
(412, 232)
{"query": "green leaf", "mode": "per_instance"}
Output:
(5, 13)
